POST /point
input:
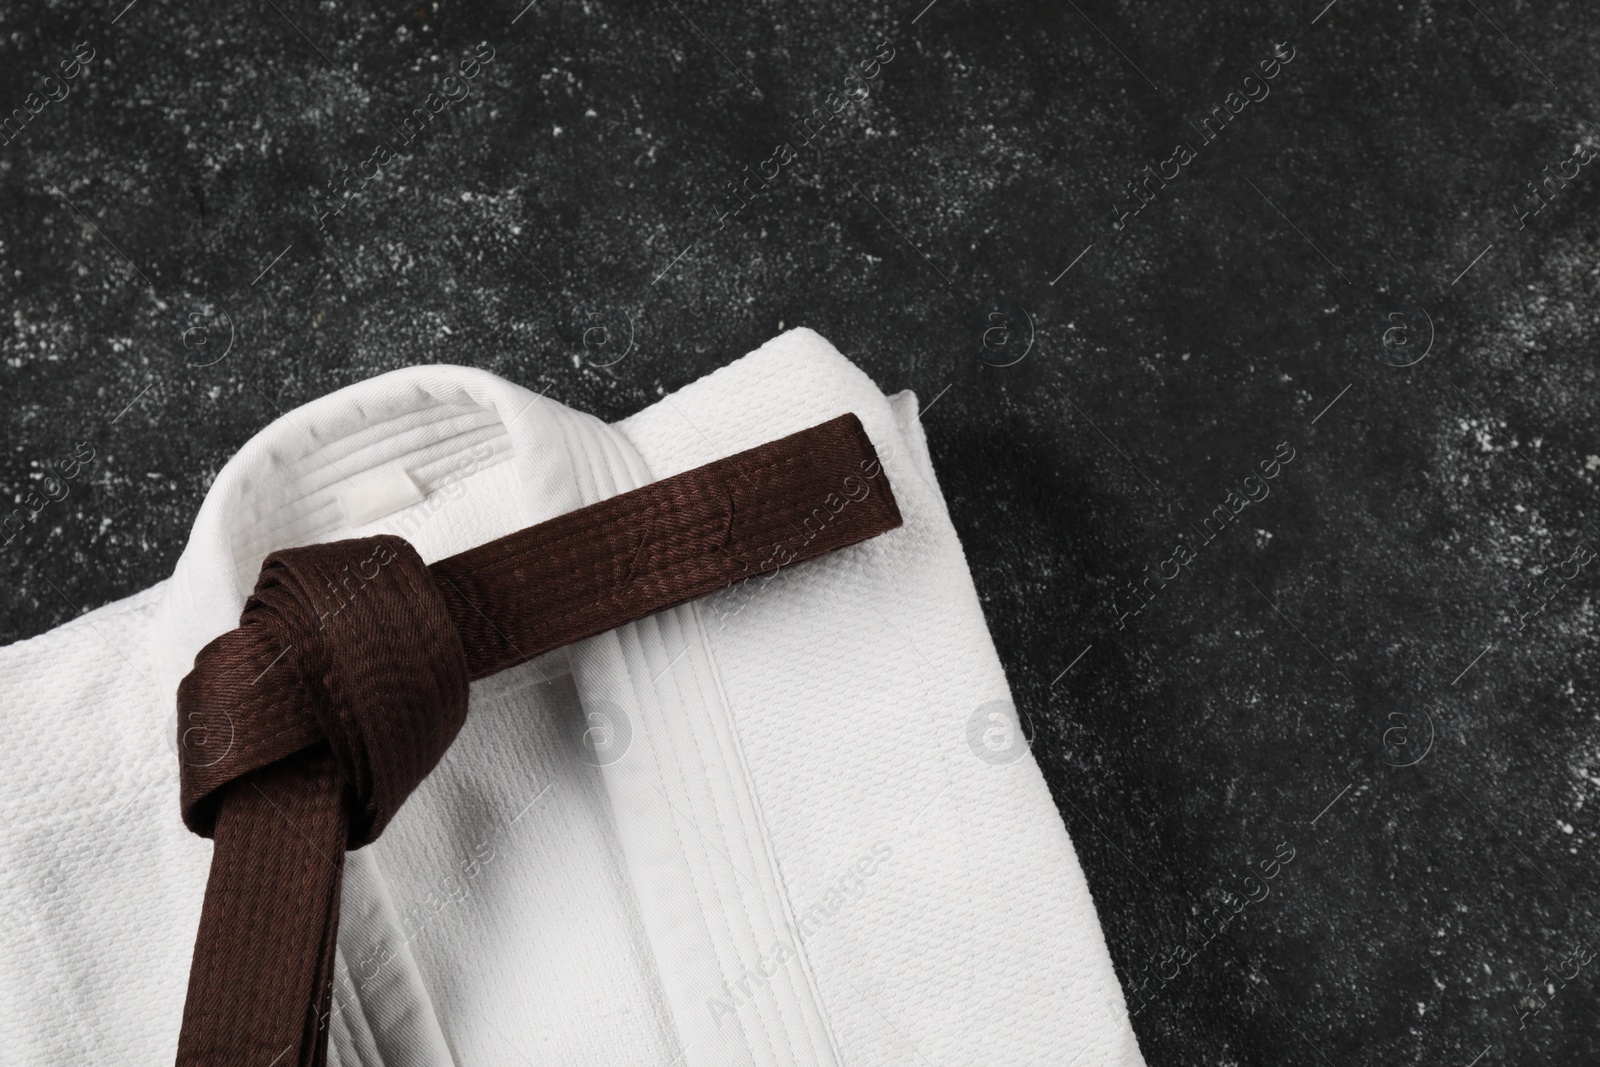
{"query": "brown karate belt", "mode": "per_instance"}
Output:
(303, 731)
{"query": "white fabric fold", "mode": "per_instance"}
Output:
(783, 844)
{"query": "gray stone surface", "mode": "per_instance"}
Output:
(1343, 673)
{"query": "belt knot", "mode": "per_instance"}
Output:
(365, 665)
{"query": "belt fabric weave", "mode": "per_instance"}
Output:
(302, 731)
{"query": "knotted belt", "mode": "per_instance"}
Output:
(304, 730)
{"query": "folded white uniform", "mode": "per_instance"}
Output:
(795, 833)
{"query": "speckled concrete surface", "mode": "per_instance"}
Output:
(1330, 773)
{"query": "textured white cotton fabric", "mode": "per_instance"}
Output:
(786, 843)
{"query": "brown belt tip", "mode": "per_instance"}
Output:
(302, 731)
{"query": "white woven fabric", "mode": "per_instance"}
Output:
(801, 839)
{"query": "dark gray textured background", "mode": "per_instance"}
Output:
(1340, 673)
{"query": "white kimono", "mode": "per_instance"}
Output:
(790, 823)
